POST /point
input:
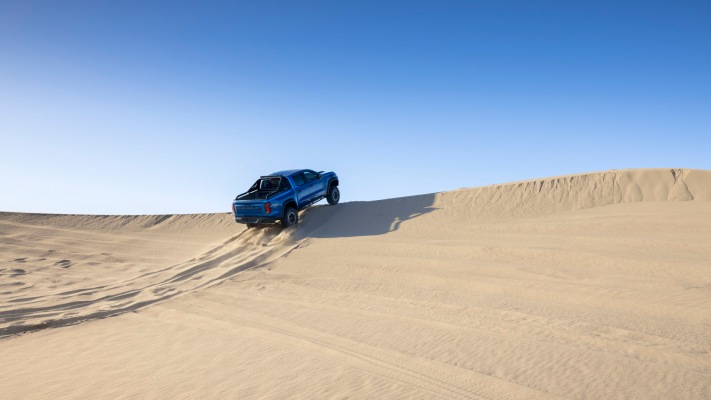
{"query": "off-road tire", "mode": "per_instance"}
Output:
(250, 226)
(291, 217)
(333, 195)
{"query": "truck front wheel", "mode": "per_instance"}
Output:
(291, 217)
(334, 195)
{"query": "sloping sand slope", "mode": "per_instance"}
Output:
(585, 286)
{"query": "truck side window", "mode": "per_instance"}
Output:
(298, 179)
(310, 176)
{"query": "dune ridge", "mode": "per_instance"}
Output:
(582, 191)
(581, 286)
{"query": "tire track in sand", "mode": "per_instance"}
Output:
(248, 249)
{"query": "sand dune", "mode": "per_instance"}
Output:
(584, 286)
(148, 254)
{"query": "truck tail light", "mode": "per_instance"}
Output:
(268, 208)
(233, 208)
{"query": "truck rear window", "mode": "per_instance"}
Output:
(269, 183)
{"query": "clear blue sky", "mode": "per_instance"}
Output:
(175, 107)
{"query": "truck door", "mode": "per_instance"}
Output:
(308, 186)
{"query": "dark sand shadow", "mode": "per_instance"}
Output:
(362, 218)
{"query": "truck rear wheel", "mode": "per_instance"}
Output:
(334, 195)
(291, 217)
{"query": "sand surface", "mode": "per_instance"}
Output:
(587, 286)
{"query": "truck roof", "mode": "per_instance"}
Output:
(288, 172)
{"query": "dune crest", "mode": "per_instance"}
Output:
(577, 192)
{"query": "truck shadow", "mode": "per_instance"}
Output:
(362, 218)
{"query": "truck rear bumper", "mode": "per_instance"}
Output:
(255, 220)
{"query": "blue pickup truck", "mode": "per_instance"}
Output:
(280, 196)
